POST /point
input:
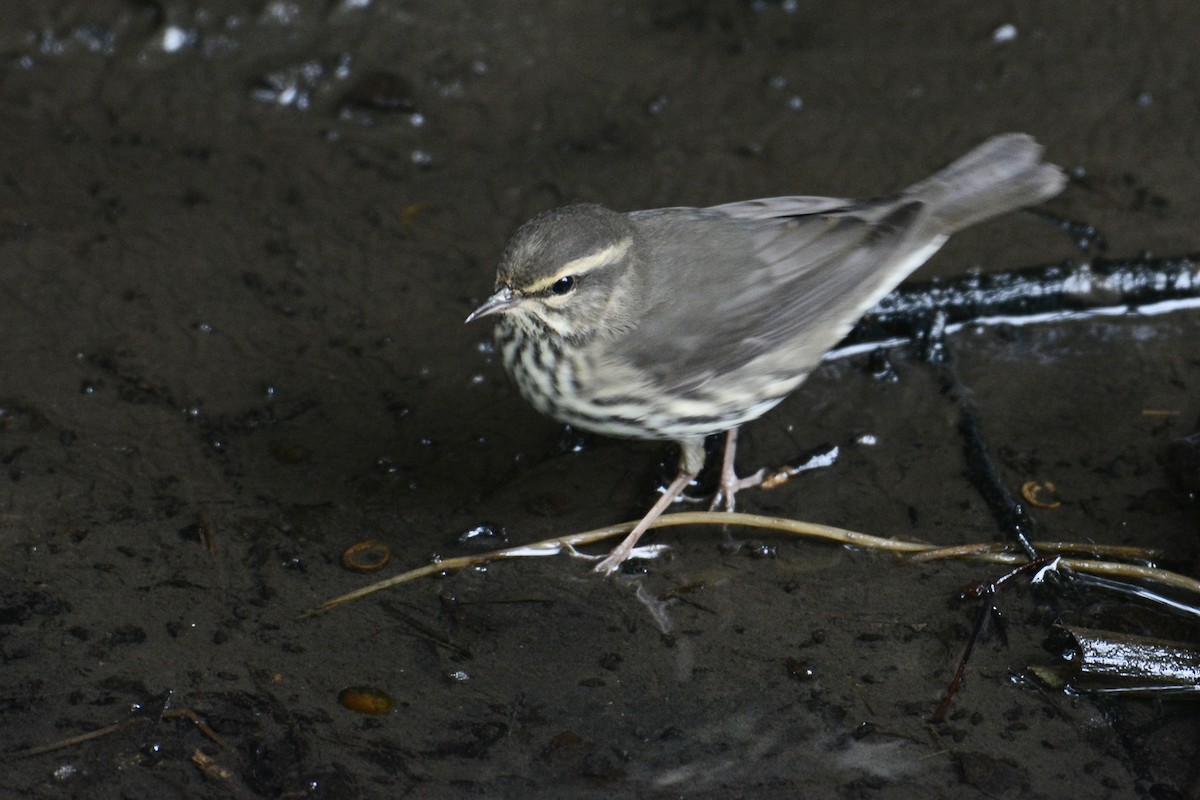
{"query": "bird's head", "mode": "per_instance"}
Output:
(562, 272)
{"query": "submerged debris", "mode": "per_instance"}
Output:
(366, 700)
(379, 91)
(1041, 494)
(1030, 295)
(818, 457)
(1111, 663)
(366, 556)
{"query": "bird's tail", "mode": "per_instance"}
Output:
(1002, 174)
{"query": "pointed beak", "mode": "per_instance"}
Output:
(500, 301)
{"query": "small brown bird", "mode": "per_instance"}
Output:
(678, 323)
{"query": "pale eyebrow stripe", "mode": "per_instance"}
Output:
(586, 263)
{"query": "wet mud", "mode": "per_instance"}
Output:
(237, 243)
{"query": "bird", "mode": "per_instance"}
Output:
(676, 324)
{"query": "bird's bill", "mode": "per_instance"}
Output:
(501, 300)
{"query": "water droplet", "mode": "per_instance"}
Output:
(65, 772)
(175, 39)
(801, 670)
(421, 158)
(95, 38)
(1005, 33)
(291, 86)
(482, 537)
(281, 13)
(49, 44)
(786, 6)
(380, 91)
(762, 550)
(572, 441)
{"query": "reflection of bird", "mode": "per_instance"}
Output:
(678, 323)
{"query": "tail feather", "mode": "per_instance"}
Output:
(1001, 175)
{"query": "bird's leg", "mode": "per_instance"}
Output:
(691, 460)
(621, 552)
(731, 484)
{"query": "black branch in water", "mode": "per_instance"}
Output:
(1029, 293)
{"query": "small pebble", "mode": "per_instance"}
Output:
(366, 700)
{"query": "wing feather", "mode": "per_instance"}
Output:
(736, 292)
(764, 281)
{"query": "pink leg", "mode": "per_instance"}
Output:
(621, 552)
(731, 484)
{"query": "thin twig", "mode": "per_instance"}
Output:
(978, 552)
(1111, 550)
(207, 536)
(80, 739)
(201, 725)
(960, 672)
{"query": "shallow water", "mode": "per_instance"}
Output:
(236, 249)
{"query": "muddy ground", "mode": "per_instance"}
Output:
(237, 243)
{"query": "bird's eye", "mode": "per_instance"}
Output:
(563, 285)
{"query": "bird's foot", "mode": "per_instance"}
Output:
(730, 485)
(625, 549)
